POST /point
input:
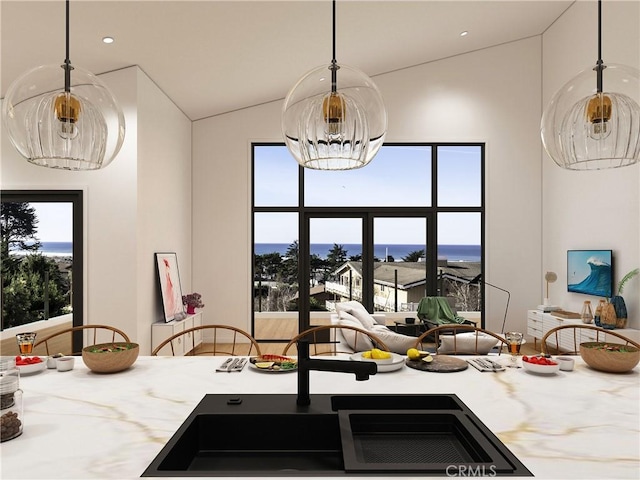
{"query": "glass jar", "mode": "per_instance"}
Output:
(11, 418)
(587, 313)
(8, 367)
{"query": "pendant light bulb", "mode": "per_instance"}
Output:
(598, 114)
(334, 109)
(67, 111)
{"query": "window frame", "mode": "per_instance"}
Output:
(369, 213)
(76, 198)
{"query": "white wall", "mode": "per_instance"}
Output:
(598, 209)
(127, 205)
(164, 198)
(490, 96)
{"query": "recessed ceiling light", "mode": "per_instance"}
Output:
(464, 34)
(107, 40)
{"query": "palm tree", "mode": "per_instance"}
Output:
(414, 256)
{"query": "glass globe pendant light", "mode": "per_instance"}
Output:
(334, 117)
(63, 119)
(593, 122)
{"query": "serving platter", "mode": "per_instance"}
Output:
(273, 364)
(440, 363)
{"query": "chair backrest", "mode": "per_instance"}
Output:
(460, 340)
(566, 339)
(217, 340)
(54, 343)
(323, 339)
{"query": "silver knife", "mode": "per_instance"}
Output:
(233, 365)
(225, 365)
(238, 366)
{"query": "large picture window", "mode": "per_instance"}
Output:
(408, 225)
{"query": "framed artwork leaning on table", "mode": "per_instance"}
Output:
(169, 284)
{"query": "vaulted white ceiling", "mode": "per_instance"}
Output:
(212, 57)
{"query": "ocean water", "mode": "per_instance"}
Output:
(56, 249)
(463, 253)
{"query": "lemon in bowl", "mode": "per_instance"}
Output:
(377, 355)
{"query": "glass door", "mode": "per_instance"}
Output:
(400, 263)
(333, 253)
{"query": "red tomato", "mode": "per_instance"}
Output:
(22, 361)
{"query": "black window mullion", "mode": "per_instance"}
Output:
(367, 262)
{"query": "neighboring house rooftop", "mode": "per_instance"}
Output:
(411, 274)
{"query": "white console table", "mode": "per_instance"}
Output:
(160, 331)
(539, 323)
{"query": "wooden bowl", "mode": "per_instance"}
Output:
(110, 357)
(610, 357)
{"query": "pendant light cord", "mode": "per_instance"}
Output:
(334, 32)
(334, 63)
(67, 63)
(599, 63)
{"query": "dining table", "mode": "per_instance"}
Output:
(78, 424)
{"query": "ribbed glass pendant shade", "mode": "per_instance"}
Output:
(338, 130)
(582, 129)
(82, 129)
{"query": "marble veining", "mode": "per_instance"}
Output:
(81, 425)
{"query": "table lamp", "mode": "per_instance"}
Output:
(549, 277)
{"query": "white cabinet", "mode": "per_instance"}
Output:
(539, 323)
(534, 325)
(160, 331)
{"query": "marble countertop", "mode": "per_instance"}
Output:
(81, 425)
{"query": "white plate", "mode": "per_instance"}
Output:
(396, 363)
(33, 368)
(269, 370)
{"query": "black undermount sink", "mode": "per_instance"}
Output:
(336, 435)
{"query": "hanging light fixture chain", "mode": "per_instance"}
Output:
(599, 66)
(334, 63)
(67, 62)
(334, 32)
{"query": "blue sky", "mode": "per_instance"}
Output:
(397, 176)
(55, 221)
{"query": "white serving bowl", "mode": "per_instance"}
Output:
(33, 367)
(543, 369)
(376, 360)
(396, 362)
